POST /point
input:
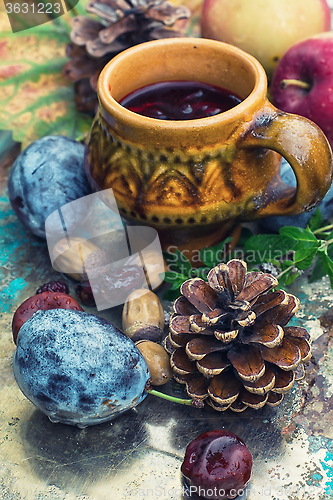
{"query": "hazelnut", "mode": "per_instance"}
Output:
(72, 260)
(143, 316)
(157, 360)
(153, 264)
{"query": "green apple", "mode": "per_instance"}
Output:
(264, 28)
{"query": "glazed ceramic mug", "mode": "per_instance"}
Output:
(192, 179)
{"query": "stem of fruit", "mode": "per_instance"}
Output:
(298, 83)
(187, 402)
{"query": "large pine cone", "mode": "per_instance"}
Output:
(229, 342)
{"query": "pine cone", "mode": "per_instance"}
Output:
(229, 342)
(123, 23)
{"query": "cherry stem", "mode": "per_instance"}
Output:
(187, 402)
(298, 83)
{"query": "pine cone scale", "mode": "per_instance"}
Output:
(224, 389)
(266, 334)
(197, 387)
(269, 301)
(198, 348)
(213, 364)
(283, 381)
(264, 384)
(261, 285)
(286, 355)
(84, 29)
(199, 293)
(248, 362)
(110, 34)
(255, 401)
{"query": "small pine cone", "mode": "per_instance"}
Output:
(229, 340)
(121, 24)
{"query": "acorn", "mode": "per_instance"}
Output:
(143, 316)
(157, 360)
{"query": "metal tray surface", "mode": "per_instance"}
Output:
(139, 454)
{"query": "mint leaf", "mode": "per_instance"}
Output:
(212, 256)
(317, 272)
(268, 248)
(174, 277)
(316, 220)
(298, 233)
(288, 278)
(303, 258)
(330, 251)
(178, 262)
(327, 264)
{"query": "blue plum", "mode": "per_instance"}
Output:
(77, 368)
(48, 174)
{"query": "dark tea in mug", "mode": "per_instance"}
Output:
(180, 100)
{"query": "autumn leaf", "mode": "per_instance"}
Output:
(35, 98)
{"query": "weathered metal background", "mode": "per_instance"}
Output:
(138, 455)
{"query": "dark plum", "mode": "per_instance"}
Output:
(85, 293)
(78, 368)
(48, 174)
(53, 286)
(217, 465)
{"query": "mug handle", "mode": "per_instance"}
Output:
(305, 147)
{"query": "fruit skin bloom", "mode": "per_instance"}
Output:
(229, 340)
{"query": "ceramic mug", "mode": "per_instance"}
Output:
(192, 179)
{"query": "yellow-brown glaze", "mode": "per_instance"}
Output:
(198, 175)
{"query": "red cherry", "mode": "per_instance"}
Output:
(41, 301)
(217, 465)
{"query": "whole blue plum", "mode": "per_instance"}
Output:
(77, 368)
(48, 174)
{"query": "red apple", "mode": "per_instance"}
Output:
(303, 81)
(264, 28)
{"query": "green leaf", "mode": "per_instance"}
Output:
(303, 258)
(35, 98)
(298, 233)
(327, 264)
(327, 236)
(330, 251)
(317, 272)
(213, 255)
(316, 220)
(174, 277)
(288, 278)
(178, 262)
(287, 263)
(268, 248)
